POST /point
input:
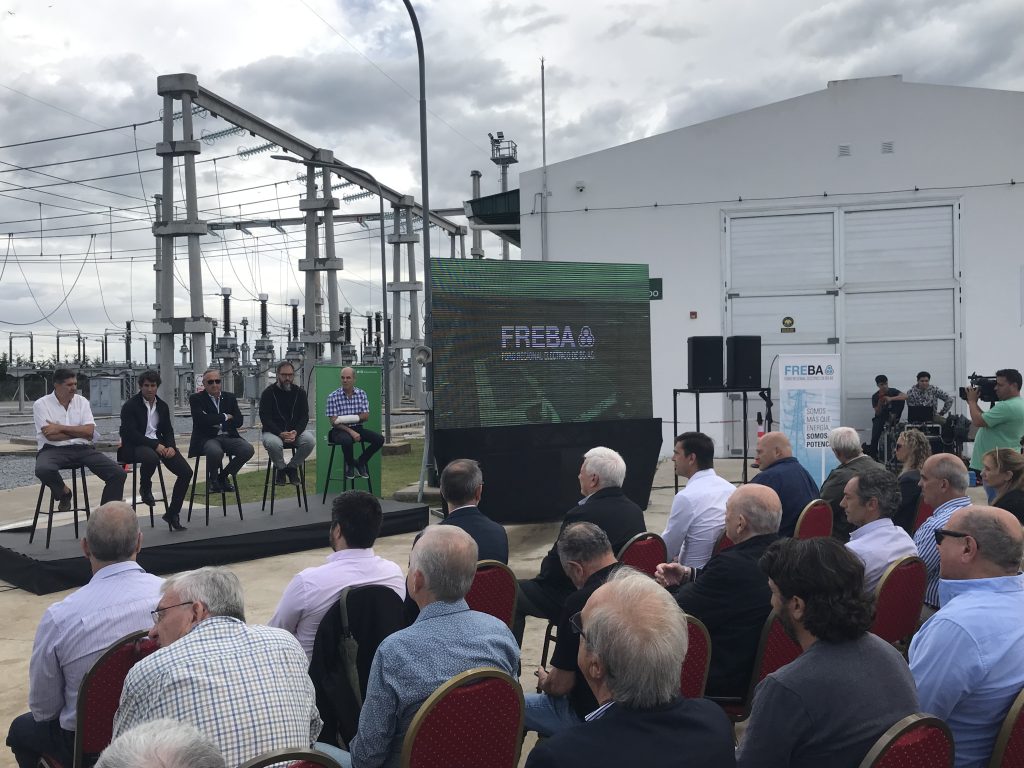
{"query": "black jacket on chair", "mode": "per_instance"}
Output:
(206, 421)
(135, 420)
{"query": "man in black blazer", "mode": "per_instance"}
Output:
(605, 505)
(216, 420)
(147, 437)
(462, 484)
(642, 720)
(730, 595)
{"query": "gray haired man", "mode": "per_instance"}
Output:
(164, 743)
(846, 446)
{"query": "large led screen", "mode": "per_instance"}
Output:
(526, 342)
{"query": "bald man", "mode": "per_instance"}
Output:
(786, 476)
(730, 594)
(944, 489)
(348, 408)
(967, 658)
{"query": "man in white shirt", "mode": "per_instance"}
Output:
(697, 517)
(64, 433)
(870, 500)
(355, 524)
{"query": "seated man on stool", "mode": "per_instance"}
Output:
(348, 408)
(216, 420)
(64, 433)
(284, 413)
(147, 437)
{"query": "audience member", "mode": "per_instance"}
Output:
(244, 687)
(633, 644)
(462, 484)
(697, 517)
(65, 430)
(1002, 426)
(216, 420)
(355, 524)
(944, 489)
(565, 697)
(348, 408)
(852, 461)
(605, 505)
(830, 705)
(887, 405)
(284, 415)
(966, 658)
(870, 500)
(1004, 472)
(781, 472)
(161, 743)
(74, 632)
(730, 594)
(912, 450)
(446, 639)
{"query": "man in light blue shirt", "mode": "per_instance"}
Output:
(74, 632)
(968, 659)
(943, 488)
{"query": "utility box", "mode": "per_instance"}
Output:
(105, 395)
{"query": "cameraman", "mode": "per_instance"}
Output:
(1002, 425)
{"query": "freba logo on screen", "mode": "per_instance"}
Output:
(545, 337)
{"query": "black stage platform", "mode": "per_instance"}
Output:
(36, 569)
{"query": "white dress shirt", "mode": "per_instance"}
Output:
(77, 414)
(697, 518)
(152, 419)
(880, 544)
(312, 592)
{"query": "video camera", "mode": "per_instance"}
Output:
(985, 384)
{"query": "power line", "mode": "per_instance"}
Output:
(70, 135)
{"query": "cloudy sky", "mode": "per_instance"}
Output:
(342, 74)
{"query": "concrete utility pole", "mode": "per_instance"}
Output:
(476, 250)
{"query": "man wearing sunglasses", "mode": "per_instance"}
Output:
(968, 659)
(216, 420)
(943, 488)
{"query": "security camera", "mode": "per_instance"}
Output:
(580, 186)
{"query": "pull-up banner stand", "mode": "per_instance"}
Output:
(810, 398)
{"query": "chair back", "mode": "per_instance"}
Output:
(722, 543)
(775, 650)
(301, 758)
(1009, 749)
(694, 675)
(899, 597)
(493, 590)
(924, 511)
(814, 521)
(100, 694)
(645, 552)
(916, 741)
(474, 719)
(346, 641)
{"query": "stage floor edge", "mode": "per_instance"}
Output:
(41, 571)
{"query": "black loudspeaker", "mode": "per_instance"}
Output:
(743, 362)
(704, 362)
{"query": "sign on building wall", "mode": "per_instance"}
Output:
(810, 397)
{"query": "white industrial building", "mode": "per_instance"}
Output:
(881, 216)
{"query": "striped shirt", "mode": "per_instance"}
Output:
(340, 404)
(245, 687)
(928, 551)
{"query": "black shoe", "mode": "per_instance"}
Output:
(362, 470)
(226, 484)
(64, 502)
(281, 477)
(350, 472)
(146, 496)
(293, 476)
(173, 522)
(213, 485)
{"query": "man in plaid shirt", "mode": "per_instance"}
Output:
(348, 408)
(244, 687)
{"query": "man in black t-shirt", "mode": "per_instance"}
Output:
(565, 697)
(886, 409)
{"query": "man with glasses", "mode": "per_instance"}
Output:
(943, 488)
(216, 420)
(75, 631)
(244, 687)
(284, 413)
(966, 659)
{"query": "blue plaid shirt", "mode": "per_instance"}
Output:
(926, 549)
(340, 405)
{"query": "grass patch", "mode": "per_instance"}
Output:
(396, 473)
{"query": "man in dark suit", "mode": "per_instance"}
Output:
(216, 420)
(147, 437)
(605, 505)
(730, 595)
(633, 642)
(462, 484)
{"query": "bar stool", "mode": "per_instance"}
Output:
(206, 487)
(123, 459)
(300, 490)
(349, 482)
(74, 506)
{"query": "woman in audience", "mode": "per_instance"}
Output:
(912, 448)
(1003, 470)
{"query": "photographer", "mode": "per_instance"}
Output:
(1001, 426)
